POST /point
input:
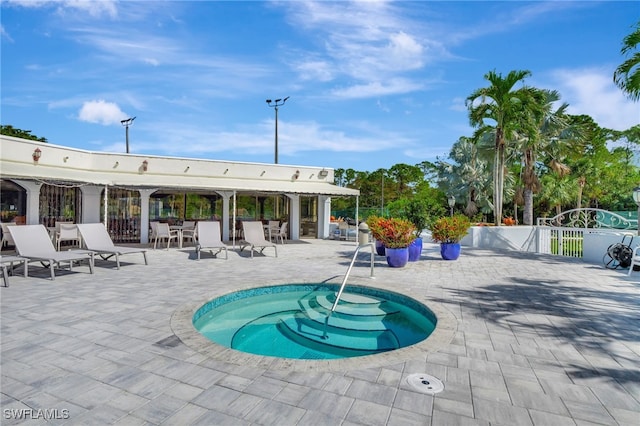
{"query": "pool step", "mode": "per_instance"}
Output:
(354, 305)
(357, 324)
(298, 326)
(360, 321)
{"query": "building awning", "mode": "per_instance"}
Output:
(61, 164)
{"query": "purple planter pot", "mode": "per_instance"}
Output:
(415, 250)
(450, 251)
(379, 248)
(397, 257)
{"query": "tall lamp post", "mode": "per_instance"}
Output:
(275, 104)
(126, 123)
(636, 198)
(452, 202)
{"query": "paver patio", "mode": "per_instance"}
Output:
(535, 340)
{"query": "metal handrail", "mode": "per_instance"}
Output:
(344, 282)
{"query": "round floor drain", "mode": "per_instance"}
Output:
(425, 383)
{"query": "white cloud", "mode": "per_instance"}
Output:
(92, 7)
(367, 41)
(378, 88)
(591, 91)
(5, 35)
(101, 112)
(315, 70)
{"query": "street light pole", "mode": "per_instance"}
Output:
(277, 103)
(452, 202)
(126, 123)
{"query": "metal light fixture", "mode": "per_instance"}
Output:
(452, 202)
(37, 153)
(636, 198)
(277, 103)
(145, 165)
(323, 173)
(126, 123)
(296, 175)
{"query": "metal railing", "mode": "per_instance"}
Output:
(344, 282)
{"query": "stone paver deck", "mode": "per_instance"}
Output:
(525, 340)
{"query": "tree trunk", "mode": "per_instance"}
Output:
(498, 177)
(527, 212)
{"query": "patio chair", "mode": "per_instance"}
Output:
(254, 237)
(635, 259)
(189, 230)
(272, 229)
(6, 262)
(208, 238)
(164, 232)
(6, 235)
(67, 232)
(282, 232)
(96, 238)
(33, 242)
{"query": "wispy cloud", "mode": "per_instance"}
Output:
(365, 41)
(93, 8)
(591, 91)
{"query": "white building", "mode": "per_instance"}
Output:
(44, 183)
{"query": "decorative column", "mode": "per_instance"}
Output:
(294, 216)
(33, 200)
(226, 224)
(324, 216)
(145, 196)
(91, 203)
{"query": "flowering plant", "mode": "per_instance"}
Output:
(392, 232)
(450, 229)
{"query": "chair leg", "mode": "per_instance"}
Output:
(5, 275)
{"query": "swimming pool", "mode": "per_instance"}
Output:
(293, 321)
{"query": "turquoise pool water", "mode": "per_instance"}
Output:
(292, 321)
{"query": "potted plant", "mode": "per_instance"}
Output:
(417, 212)
(375, 229)
(448, 231)
(396, 235)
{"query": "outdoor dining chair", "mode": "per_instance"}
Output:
(164, 232)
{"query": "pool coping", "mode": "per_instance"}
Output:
(182, 326)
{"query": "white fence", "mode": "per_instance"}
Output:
(579, 233)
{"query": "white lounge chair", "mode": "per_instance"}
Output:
(97, 239)
(6, 263)
(6, 235)
(254, 237)
(33, 242)
(208, 238)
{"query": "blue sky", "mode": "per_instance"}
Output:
(371, 83)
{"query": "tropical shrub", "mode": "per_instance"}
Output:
(450, 229)
(392, 232)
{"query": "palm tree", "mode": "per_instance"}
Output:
(551, 125)
(467, 178)
(507, 112)
(627, 75)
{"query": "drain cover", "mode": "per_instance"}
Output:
(425, 383)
